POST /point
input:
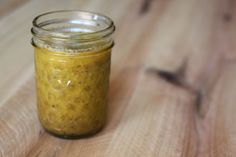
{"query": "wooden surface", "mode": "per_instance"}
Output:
(173, 86)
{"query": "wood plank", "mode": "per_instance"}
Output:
(6, 6)
(215, 121)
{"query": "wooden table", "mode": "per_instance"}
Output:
(173, 81)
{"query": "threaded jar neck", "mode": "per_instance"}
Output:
(72, 31)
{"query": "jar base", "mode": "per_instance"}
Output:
(73, 136)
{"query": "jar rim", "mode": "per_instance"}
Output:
(39, 31)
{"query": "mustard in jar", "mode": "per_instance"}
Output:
(72, 67)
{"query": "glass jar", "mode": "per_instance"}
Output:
(72, 66)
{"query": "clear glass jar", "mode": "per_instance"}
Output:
(72, 66)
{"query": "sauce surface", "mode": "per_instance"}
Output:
(72, 91)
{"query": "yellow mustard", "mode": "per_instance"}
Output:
(72, 88)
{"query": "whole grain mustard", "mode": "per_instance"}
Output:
(72, 80)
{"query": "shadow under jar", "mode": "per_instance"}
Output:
(72, 67)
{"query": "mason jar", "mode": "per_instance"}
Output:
(72, 52)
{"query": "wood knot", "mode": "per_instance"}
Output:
(177, 79)
(145, 7)
(227, 17)
(170, 77)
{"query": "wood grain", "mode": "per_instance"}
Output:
(172, 90)
(6, 6)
